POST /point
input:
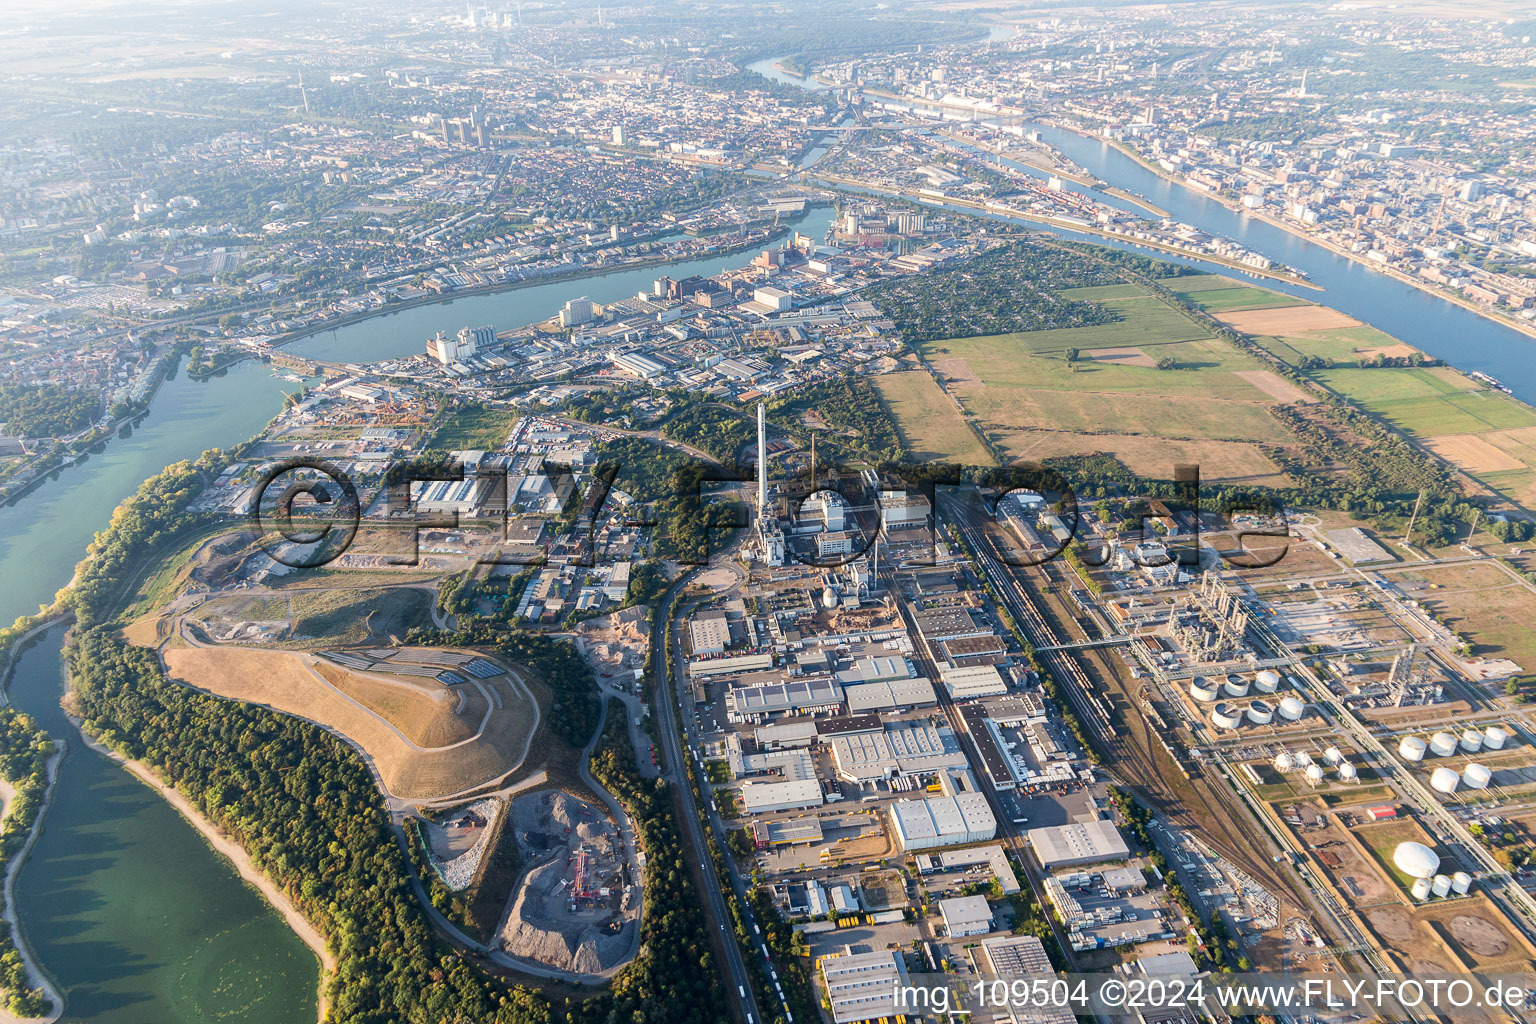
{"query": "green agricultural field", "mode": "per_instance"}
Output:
(931, 427)
(1008, 409)
(1215, 294)
(1344, 345)
(1146, 321)
(474, 427)
(1373, 387)
(1103, 292)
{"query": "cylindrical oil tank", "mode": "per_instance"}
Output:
(1283, 762)
(1348, 772)
(1203, 689)
(1227, 716)
(1443, 743)
(1292, 709)
(1412, 748)
(1445, 780)
(1477, 775)
(1267, 681)
(1315, 774)
(1441, 886)
(1421, 887)
(1461, 882)
(1261, 712)
(1235, 686)
(1471, 741)
(1494, 737)
(1332, 755)
(1302, 758)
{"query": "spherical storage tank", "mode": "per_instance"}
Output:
(1461, 882)
(1445, 780)
(1302, 758)
(1421, 888)
(1267, 681)
(1202, 689)
(1314, 774)
(1471, 741)
(1477, 776)
(1441, 886)
(1348, 772)
(1292, 709)
(1283, 762)
(1494, 737)
(1235, 686)
(1416, 860)
(1412, 748)
(1227, 716)
(1261, 712)
(1443, 743)
(1332, 755)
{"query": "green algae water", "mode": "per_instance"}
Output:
(133, 915)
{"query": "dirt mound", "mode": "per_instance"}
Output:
(1392, 923)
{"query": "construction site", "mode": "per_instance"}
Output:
(577, 907)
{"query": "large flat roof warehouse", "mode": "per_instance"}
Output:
(1356, 546)
(943, 821)
(889, 694)
(1085, 843)
(1014, 957)
(709, 632)
(863, 986)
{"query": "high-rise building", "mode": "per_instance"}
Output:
(618, 135)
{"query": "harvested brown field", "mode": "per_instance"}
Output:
(1273, 385)
(474, 733)
(1151, 457)
(1471, 453)
(956, 370)
(1285, 319)
(1122, 356)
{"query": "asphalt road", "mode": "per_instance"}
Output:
(719, 918)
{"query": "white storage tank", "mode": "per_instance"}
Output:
(1494, 737)
(1302, 758)
(1445, 780)
(1203, 690)
(1235, 686)
(1348, 772)
(1261, 712)
(1443, 743)
(1267, 681)
(1314, 774)
(1477, 776)
(1471, 741)
(1421, 888)
(1412, 748)
(1332, 755)
(1441, 886)
(1416, 860)
(1292, 709)
(1461, 882)
(1283, 762)
(1227, 716)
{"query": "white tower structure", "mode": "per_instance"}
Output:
(762, 459)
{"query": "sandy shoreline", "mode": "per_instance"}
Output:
(35, 975)
(236, 854)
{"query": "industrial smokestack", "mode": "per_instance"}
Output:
(762, 459)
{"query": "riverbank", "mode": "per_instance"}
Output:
(36, 978)
(235, 854)
(1428, 288)
(500, 287)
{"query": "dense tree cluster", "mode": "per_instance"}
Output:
(1013, 288)
(856, 419)
(24, 753)
(305, 809)
(51, 410)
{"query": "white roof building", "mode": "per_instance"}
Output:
(1084, 843)
(966, 915)
(942, 821)
(863, 986)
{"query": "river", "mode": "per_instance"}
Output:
(130, 912)
(1427, 322)
(405, 333)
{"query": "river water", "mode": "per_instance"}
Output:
(130, 912)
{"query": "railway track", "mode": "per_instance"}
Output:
(1125, 741)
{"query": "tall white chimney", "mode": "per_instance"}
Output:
(762, 459)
